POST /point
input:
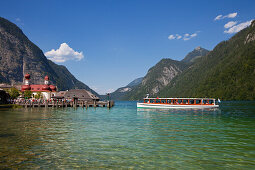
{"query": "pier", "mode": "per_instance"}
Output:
(64, 103)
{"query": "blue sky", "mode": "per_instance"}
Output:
(108, 43)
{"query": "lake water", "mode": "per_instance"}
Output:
(124, 137)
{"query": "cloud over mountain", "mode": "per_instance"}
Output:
(238, 27)
(231, 15)
(63, 54)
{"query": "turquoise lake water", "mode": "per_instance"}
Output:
(125, 137)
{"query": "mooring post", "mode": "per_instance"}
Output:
(95, 105)
(86, 104)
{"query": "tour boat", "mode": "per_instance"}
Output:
(178, 103)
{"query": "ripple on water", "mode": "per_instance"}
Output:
(127, 137)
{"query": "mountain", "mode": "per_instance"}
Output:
(160, 75)
(135, 82)
(227, 72)
(18, 56)
(122, 91)
(157, 77)
(195, 54)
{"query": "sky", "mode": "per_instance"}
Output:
(108, 43)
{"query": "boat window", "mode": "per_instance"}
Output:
(168, 101)
(163, 100)
(211, 102)
(180, 101)
(185, 101)
(152, 101)
(157, 101)
(205, 101)
(191, 101)
(146, 101)
(198, 101)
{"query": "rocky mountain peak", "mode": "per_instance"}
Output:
(195, 54)
(198, 48)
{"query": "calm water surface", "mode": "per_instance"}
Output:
(124, 137)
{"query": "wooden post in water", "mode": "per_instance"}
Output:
(86, 104)
(95, 105)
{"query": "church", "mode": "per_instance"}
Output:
(47, 90)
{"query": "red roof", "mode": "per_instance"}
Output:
(27, 76)
(46, 78)
(39, 87)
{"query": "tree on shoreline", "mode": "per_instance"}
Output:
(13, 92)
(27, 94)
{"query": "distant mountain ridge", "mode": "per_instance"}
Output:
(122, 91)
(18, 56)
(160, 75)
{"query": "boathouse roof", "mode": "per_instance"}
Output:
(81, 94)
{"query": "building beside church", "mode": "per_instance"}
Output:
(47, 90)
(77, 94)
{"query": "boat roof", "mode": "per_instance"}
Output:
(183, 98)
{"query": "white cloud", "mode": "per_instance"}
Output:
(63, 54)
(193, 35)
(171, 37)
(238, 27)
(189, 36)
(178, 36)
(231, 15)
(218, 17)
(230, 24)
(184, 37)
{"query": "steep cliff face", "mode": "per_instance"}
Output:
(163, 73)
(18, 56)
(157, 78)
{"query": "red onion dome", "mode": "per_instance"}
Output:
(46, 78)
(45, 87)
(25, 87)
(53, 88)
(27, 76)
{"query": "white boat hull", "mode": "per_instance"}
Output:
(172, 106)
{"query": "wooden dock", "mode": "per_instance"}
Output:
(83, 104)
